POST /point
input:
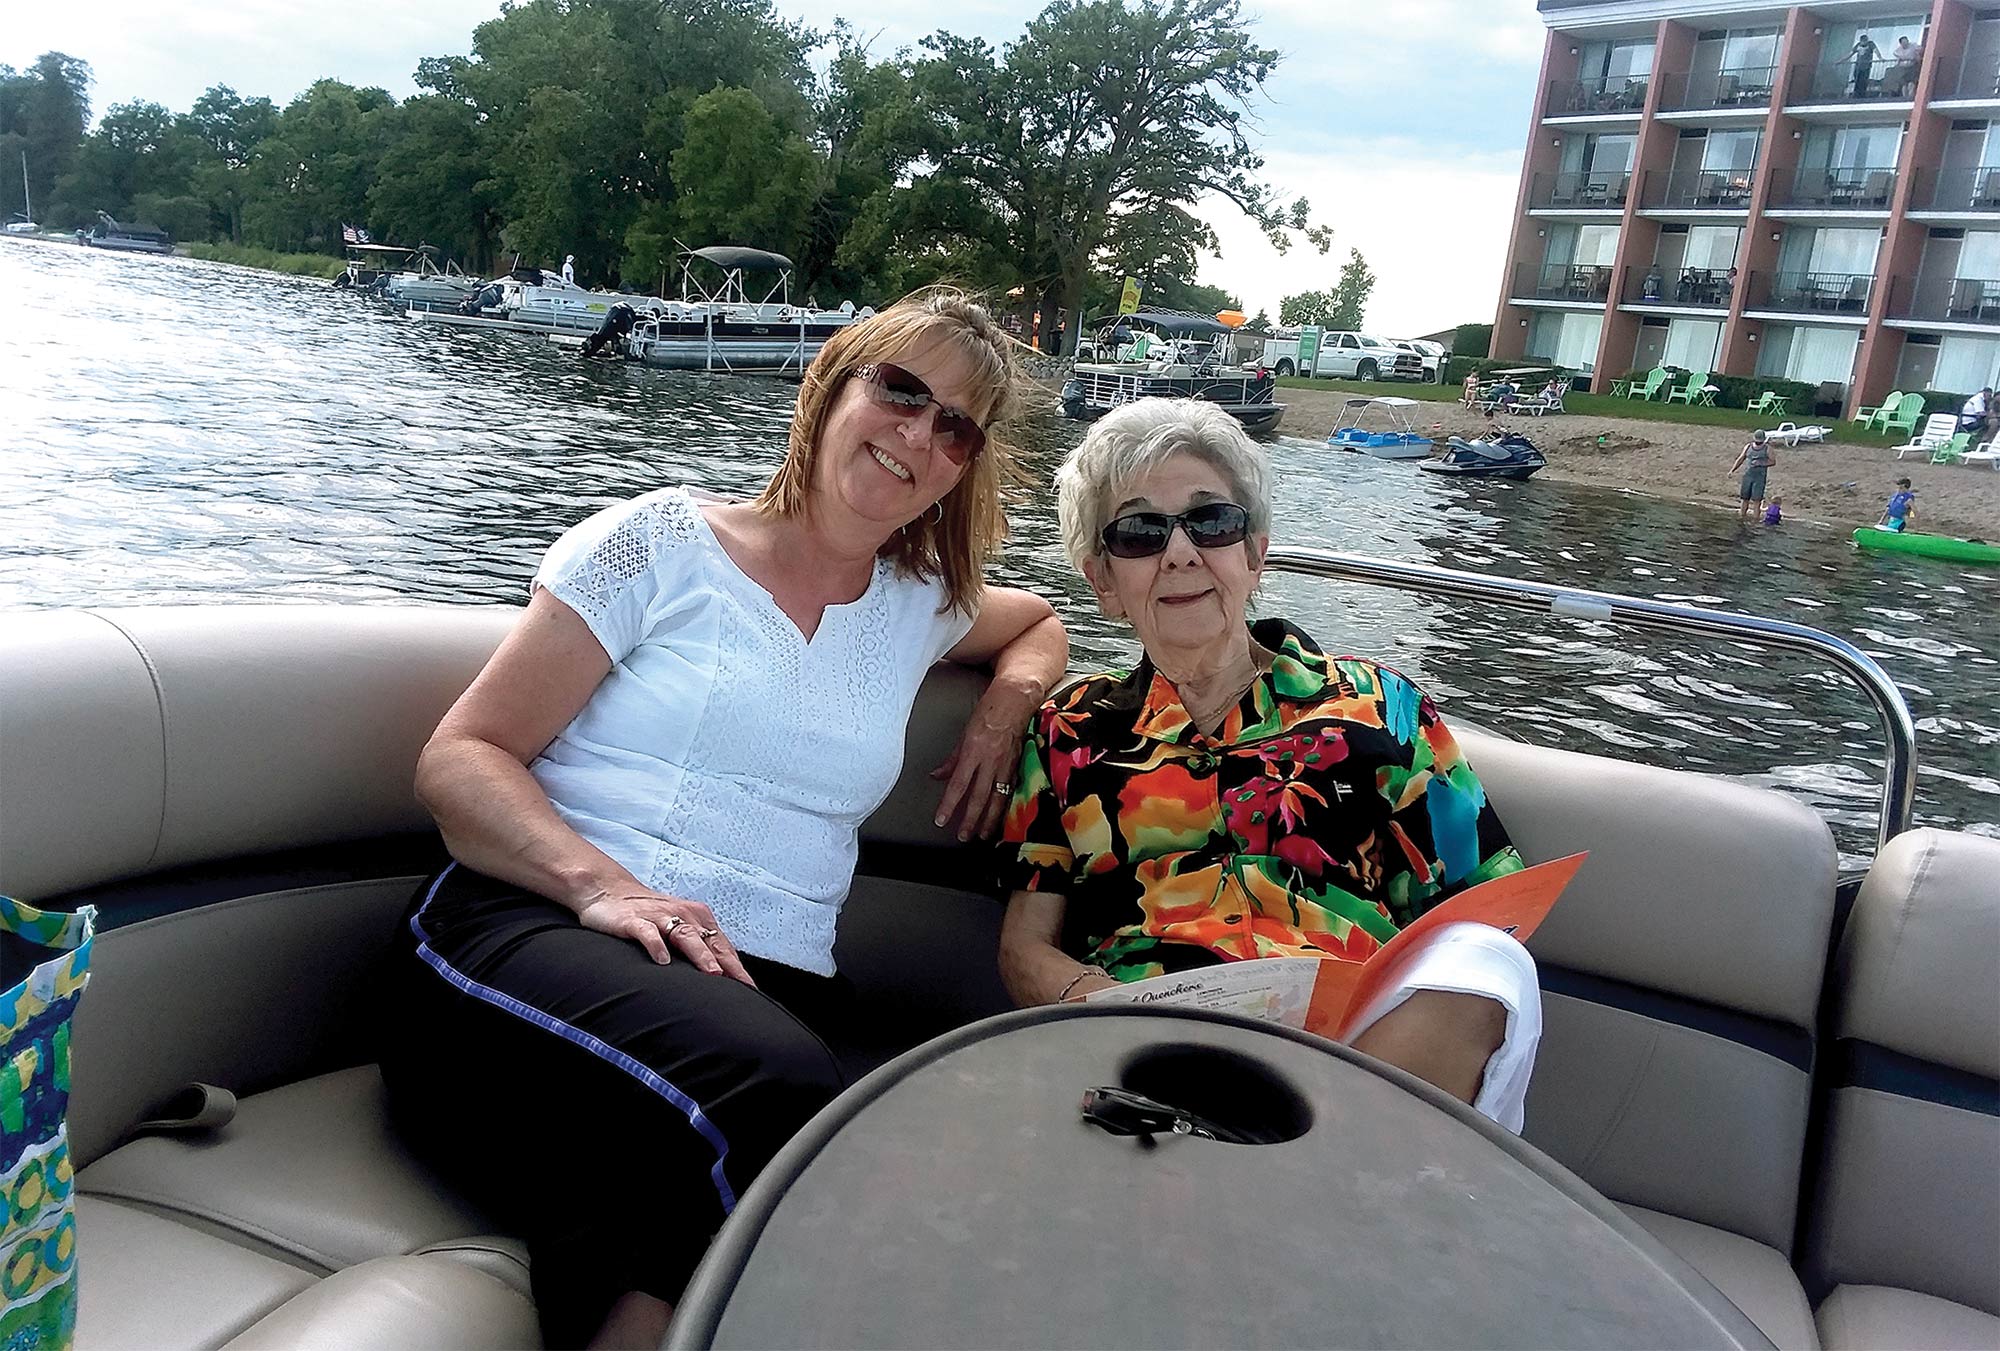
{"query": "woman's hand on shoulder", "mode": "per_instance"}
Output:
(662, 925)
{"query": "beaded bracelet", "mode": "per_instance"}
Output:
(1087, 971)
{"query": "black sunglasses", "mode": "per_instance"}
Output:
(954, 434)
(1212, 525)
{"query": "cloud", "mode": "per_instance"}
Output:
(1433, 228)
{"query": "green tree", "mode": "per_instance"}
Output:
(43, 112)
(1350, 293)
(431, 182)
(1261, 323)
(137, 153)
(1342, 307)
(1102, 110)
(311, 175)
(230, 129)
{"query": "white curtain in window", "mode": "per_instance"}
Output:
(1566, 339)
(1693, 343)
(1844, 251)
(1712, 246)
(1731, 151)
(1821, 354)
(1966, 365)
(1979, 256)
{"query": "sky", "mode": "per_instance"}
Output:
(1402, 123)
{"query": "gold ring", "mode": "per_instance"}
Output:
(707, 934)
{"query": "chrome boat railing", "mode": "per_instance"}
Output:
(1899, 771)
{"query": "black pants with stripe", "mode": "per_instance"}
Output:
(607, 1109)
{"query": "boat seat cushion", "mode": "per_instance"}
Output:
(1754, 1276)
(144, 1280)
(1879, 1318)
(399, 1302)
(312, 1174)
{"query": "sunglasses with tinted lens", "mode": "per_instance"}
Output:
(954, 434)
(1212, 525)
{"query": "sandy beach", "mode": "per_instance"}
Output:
(1840, 485)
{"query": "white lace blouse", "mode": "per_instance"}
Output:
(726, 758)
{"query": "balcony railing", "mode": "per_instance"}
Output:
(1562, 281)
(1858, 188)
(1951, 300)
(1704, 288)
(1978, 78)
(1882, 80)
(1604, 94)
(1974, 189)
(1844, 293)
(1584, 191)
(1737, 87)
(1695, 189)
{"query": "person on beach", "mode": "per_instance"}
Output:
(1773, 514)
(609, 1008)
(1902, 508)
(569, 269)
(1240, 793)
(1755, 460)
(1978, 415)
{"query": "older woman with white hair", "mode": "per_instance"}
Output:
(1240, 794)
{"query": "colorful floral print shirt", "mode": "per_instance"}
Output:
(1331, 809)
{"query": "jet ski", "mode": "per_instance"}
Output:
(1505, 455)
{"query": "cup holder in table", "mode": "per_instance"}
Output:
(1252, 1100)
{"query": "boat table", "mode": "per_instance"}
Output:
(957, 1198)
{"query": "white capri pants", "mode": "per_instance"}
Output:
(1468, 958)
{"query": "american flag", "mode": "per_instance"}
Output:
(353, 235)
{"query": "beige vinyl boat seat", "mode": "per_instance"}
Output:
(1905, 1241)
(232, 786)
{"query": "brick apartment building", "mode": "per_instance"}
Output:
(1808, 193)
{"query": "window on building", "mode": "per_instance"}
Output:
(1693, 344)
(1583, 245)
(1849, 252)
(1800, 352)
(1569, 340)
(1732, 152)
(1965, 365)
(1712, 247)
(1750, 48)
(1979, 255)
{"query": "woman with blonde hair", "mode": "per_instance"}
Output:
(653, 794)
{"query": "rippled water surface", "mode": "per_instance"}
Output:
(180, 431)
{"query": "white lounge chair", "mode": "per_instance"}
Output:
(1937, 431)
(1792, 433)
(1987, 453)
(1548, 399)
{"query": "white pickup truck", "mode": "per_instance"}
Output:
(1345, 356)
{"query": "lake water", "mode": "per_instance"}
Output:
(172, 430)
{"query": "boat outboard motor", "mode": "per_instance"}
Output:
(1072, 399)
(617, 324)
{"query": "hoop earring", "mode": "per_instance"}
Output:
(938, 507)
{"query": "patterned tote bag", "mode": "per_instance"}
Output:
(38, 1226)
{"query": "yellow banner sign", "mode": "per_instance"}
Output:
(1128, 302)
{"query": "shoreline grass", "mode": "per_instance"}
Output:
(267, 260)
(1604, 406)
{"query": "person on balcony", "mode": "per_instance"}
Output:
(1901, 77)
(1650, 288)
(1864, 53)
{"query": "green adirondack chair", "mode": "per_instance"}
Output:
(1868, 415)
(1690, 390)
(1768, 402)
(1647, 388)
(1953, 451)
(1909, 412)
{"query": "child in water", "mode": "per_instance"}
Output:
(1771, 513)
(1902, 506)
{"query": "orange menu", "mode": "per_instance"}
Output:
(1516, 902)
(1322, 994)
